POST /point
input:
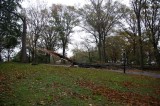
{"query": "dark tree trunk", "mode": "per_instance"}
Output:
(64, 53)
(156, 51)
(47, 58)
(134, 51)
(32, 52)
(24, 55)
(0, 57)
(89, 56)
(158, 57)
(157, 54)
(134, 45)
(127, 58)
(137, 4)
(100, 48)
(99, 51)
(29, 55)
(8, 55)
(140, 44)
(35, 53)
(104, 49)
(149, 58)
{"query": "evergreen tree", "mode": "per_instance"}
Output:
(9, 26)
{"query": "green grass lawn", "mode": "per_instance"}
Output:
(35, 85)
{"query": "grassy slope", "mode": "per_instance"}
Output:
(25, 85)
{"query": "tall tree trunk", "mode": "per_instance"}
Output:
(0, 57)
(134, 45)
(24, 55)
(158, 57)
(89, 56)
(100, 52)
(64, 53)
(29, 55)
(149, 57)
(35, 53)
(157, 54)
(134, 51)
(137, 5)
(47, 58)
(104, 49)
(140, 41)
(155, 44)
(32, 52)
(100, 48)
(8, 55)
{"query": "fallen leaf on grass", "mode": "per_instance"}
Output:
(157, 92)
(128, 84)
(41, 103)
(2, 86)
(80, 96)
(117, 96)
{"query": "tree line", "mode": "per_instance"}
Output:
(111, 29)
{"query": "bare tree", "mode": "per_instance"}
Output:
(100, 18)
(137, 7)
(129, 27)
(35, 27)
(87, 44)
(65, 20)
(152, 24)
(49, 38)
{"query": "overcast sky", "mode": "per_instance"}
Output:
(65, 2)
(77, 36)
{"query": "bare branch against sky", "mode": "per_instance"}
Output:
(77, 36)
(65, 2)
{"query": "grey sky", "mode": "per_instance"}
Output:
(65, 2)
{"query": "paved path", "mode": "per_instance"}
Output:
(144, 73)
(154, 75)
